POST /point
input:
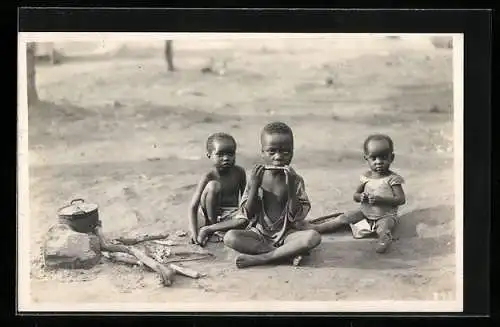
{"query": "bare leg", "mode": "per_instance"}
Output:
(210, 199)
(384, 229)
(247, 241)
(295, 244)
(333, 225)
(226, 225)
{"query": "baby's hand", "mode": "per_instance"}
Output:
(373, 199)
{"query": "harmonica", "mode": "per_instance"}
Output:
(275, 168)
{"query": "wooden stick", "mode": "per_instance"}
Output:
(167, 242)
(315, 220)
(166, 273)
(132, 260)
(189, 252)
(142, 238)
(185, 271)
(201, 257)
(124, 258)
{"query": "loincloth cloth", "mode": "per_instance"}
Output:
(367, 227)
(271, 239)
(225, 213)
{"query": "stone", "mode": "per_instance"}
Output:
(180, 233)
(67, 249)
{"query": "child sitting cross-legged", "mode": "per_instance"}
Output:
(273, 201)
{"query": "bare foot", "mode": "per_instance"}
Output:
(383, 244)
(245, 260)
(219, 235)
(297, 260)
(203, 236)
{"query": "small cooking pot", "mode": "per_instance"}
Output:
(80, 216)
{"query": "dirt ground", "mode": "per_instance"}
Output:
(114, 122)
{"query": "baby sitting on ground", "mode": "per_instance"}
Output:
(380, 193)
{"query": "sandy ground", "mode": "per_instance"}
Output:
(116, 120)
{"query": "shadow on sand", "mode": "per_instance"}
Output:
(409, 251)
(409, 248)
(116, 54)
(63, 111)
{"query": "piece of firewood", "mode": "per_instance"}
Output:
(167, 274)
(200, 257)
(184, 253)
(318, 219)
(142, 238)
(185, 250)
(132, 260)
(185, 271)
(124, 258)
(167, 242)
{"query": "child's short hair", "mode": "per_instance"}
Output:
(218, 136)
(378, 137)
(278, 128)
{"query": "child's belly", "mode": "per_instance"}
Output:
(378, 211)
(229, 201)
(380, 190)
(374, 212)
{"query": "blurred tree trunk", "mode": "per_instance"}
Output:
(31, 78)
(169, 55)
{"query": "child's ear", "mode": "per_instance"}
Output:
(392, 157)
(365, 157)
(208, 155)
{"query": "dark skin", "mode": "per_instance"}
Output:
(219, 187)
(277, 151)
(379, 157)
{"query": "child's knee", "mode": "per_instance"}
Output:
(385, 225)
(213, 187)
(312, 239)
(230, 238)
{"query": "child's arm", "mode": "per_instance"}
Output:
(299, 201)
(194, 205)
(398, 199)
(293, 187)
(243, 181)
(359, 195)
(255, 182)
